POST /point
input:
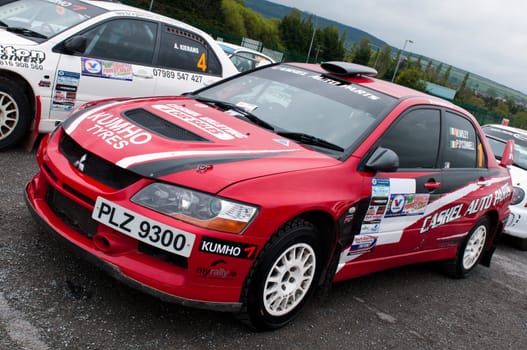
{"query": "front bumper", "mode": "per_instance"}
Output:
(116, 272)
(517, 222)
(124, 267)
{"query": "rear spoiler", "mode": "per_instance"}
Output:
(507, 158)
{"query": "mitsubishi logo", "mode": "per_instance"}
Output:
(80, 164)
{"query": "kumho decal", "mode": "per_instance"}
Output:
(116, 131)
(227, 248)
(9, 53)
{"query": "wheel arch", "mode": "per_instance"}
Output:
(496, 230)
(24, 84)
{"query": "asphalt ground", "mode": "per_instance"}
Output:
(51, 299)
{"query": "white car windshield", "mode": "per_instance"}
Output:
(40, 19)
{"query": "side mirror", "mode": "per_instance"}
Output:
(383, 159)
(76, 44)
(507, 158)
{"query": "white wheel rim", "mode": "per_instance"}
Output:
(289, 279)
(474, 247)
(8, 115)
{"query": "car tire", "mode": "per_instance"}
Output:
(15, 113)
(283, 277)
(470, 251)
(522, 244)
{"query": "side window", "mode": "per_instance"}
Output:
(124, 40)
(182, 50)
(415, 138)
(462, 146)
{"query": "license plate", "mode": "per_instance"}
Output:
(142, 228)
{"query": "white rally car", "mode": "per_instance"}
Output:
(498, 135)
(55, 55)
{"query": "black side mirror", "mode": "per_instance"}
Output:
(75, 44)
(384, 160)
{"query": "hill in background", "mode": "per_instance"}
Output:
(476, 82)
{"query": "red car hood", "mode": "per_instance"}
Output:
(183, 141)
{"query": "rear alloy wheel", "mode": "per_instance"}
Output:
(471, 250)
(283, 278)
(14, 113)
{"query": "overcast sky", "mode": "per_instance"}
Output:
(486, 37)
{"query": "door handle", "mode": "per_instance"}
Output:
(143, 74)
(483, 183)
(432, 185)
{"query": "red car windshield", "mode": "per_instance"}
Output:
(302, 101)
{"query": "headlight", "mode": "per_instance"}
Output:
(517, 195)
(195, 207)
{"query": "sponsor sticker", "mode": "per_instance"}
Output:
(217, 270)
(65, 91)
(227, 248)
(106, 69)
(362, 244)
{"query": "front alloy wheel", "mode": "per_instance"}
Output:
(283, 277)
(289, 279)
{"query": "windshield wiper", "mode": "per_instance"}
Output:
(26, 32)
(242, 112)
(310, 140)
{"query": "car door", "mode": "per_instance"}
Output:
(399, 199)
(185, 62)
(117, 62)
(466, 182)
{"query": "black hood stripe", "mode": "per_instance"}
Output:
(170, 166)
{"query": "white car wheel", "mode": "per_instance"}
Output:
(14, 113)
(474, 247)
(289, 279)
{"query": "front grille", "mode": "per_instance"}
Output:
(78, 218)
(160, 126)
(96, 167)
(71, 213)
(161, 254)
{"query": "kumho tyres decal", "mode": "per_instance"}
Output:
(71, 124)
(389, 229)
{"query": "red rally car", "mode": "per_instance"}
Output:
(250, 194)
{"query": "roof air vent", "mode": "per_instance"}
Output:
(347, 68)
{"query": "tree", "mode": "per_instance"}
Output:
(331, 44)
(520, 119)
(446, 75)
(501, 108)
(362, 53)
(243, 22)
(412, 78)
(385, 65)
(463, 93)
(296, 33)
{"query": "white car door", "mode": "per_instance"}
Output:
(187, 61)
(117, 62)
